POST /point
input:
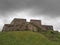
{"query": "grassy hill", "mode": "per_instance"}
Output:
(29, 38)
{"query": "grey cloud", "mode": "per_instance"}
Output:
(44, 7)
(48, 8)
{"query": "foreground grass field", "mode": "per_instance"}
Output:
(26, 38)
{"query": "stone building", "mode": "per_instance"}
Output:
(23, 25)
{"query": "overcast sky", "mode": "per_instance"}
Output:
(46, 10)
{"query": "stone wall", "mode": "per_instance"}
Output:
(18, 21)
(8, 27)
(21, 24)
(32, 27)
(47, 27)
(36, 22)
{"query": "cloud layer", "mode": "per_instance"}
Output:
(45, 7)
(36, 8)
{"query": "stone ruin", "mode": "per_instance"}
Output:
(23, 25)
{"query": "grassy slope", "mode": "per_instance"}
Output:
(25, 38)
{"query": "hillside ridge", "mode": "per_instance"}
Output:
(25, 38)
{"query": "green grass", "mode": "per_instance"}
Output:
(52, 35)
(27, 38)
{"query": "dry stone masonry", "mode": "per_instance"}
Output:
(22, 25)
